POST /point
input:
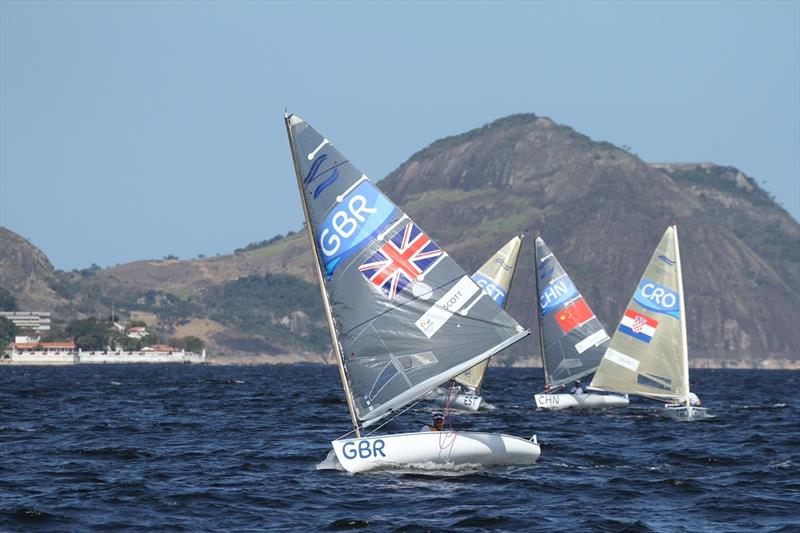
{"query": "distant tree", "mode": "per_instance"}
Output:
(192, 344)
(88, 342)
(91, 270)
(149, 340)
(128, 344)
(90, 333)
(137, 324)
(170, 257)
(7, 332)
(7, 301)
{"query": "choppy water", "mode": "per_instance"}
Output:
(241, 448)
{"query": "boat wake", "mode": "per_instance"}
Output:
(770, 406)
(330, 462)
(432, 469)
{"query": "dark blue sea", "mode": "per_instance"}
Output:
(201, 448)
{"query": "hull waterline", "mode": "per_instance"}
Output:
(555, 402)
(428, 449)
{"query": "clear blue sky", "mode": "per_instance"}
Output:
(133, 130)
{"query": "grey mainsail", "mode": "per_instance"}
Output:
(404, 317)
(647, 355)
(494, 277)
(573, 340)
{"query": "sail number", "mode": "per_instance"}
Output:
(659, 295)
(548, 399)
(344, 224)
(363, 449)
(556, 293)
(495, 293)
(656, 297)
(351, 223)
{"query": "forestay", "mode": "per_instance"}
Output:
(573, 339)
(647, 354)
(494, 277)
(406, 317)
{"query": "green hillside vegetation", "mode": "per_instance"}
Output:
(281, 308)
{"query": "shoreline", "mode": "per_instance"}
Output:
(293, 359)
(530, 362)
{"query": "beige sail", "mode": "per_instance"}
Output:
(647, 355)
(495, 278)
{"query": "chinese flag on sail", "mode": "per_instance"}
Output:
(573, 315)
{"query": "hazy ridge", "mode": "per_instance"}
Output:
(600, 208)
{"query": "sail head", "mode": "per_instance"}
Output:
(573, 339)
(407, 318)
(646, 355)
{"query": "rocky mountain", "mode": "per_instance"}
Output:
(27, 273)
(600, 208)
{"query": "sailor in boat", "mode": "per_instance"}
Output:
(438, 423)
(694, 400)
(577, 388)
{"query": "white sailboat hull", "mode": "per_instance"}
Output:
(556, 402)
(462, 401)
(682, 412)
(434, 448)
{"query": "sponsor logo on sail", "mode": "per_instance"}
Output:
(556, 294)
(503, 264)
(655, 297)
(622, 360)
(401, 260)
(638, 326)
(490, 287)
(314, 173)
(314, 170)
(452, 301)
(595, 339)
(352, 224)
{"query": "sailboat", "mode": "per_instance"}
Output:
(571, 338)
(404, 318)
(648, 354)
(494, 277)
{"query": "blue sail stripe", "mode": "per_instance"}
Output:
(312, 172)
(326, 183)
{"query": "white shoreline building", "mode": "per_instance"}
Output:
(65, 353)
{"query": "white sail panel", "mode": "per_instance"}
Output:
(646, 355)
(381, 275)
(494, 277)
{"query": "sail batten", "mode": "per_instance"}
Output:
(647, 355)
(572, 339)
(405, 318)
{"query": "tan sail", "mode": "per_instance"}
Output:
(494, 277)
(647, 355)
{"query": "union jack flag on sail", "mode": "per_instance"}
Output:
(401, 260)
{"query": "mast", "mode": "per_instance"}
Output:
(539, 310)
(684, 342)
(322, 285)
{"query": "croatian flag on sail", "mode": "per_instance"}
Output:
(401, 260)
(638, 326)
